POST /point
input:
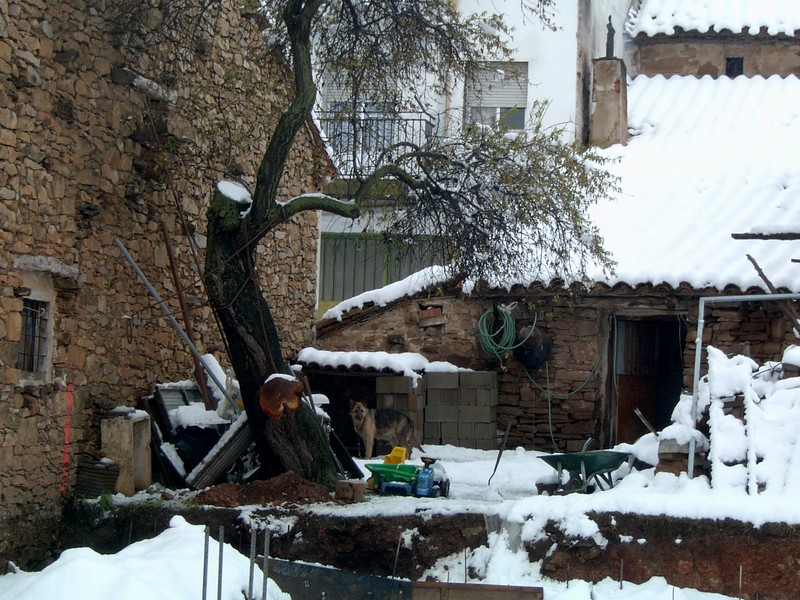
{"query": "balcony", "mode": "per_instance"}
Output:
(357, 141)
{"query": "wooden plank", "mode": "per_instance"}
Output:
(221, 457)
(435, 590)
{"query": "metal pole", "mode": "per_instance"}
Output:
(265, 566)
(252, 564)
(171, 318)
(699, 345)
(198, 367)
(205, 563)
(219, 572)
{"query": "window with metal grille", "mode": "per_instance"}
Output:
(33, 342)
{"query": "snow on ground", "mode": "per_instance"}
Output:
(167, 566)
(170, 565)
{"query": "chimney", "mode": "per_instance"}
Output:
(609, 121)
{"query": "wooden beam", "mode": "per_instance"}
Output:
(786, 236)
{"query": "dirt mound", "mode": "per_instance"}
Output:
(286, 488)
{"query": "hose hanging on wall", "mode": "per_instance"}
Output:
(497, 331)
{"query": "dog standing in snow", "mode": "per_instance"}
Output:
(383, 425)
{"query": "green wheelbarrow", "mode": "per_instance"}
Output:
(585, 468)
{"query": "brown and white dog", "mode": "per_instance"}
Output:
(383, 425)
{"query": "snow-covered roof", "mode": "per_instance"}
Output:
(410, 364)
(707, 158)
(704, 16)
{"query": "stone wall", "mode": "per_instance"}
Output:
(685, 55)
(567, 400)
(93, 150)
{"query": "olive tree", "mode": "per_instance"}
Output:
(495, 201)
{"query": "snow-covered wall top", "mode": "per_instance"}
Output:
(749, 16)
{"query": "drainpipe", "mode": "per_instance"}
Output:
(698, 345)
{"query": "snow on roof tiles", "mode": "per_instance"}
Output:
(708, 158)
(664, 16)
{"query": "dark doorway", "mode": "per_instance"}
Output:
(340, 388)
(647, 366)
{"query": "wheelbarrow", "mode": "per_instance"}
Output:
(585, 468)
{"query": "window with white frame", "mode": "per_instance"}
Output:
(498, 94)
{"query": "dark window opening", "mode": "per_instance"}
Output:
(734, 66)
(33, 343)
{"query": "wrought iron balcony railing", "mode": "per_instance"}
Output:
(358, 141)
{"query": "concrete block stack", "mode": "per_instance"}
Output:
(401, 393)
(462, 409)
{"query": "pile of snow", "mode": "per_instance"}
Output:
(167, 566)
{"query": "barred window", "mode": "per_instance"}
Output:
(33, 342)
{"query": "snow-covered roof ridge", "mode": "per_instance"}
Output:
(714, 16)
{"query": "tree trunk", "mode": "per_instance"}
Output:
(296, 442)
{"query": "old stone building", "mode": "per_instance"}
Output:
(100, 141)
(703, 162)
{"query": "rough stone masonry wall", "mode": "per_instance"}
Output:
(667, 56)
(79, 168)
(561, 404)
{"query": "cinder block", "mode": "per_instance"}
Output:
(385, 401)
(486, 380)
(450, 431)
(442, 397)
(432, 432)
(126, 441)
(446, 380)
(486, 397)
(485, 443)
(466, 430)
(467, 397)
(486, 430)
(478, 414)
(416, 403)
(393, 384)
(441, 414)
(401, 402)
(350, 490)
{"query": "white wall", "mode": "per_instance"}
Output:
(551, 55)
